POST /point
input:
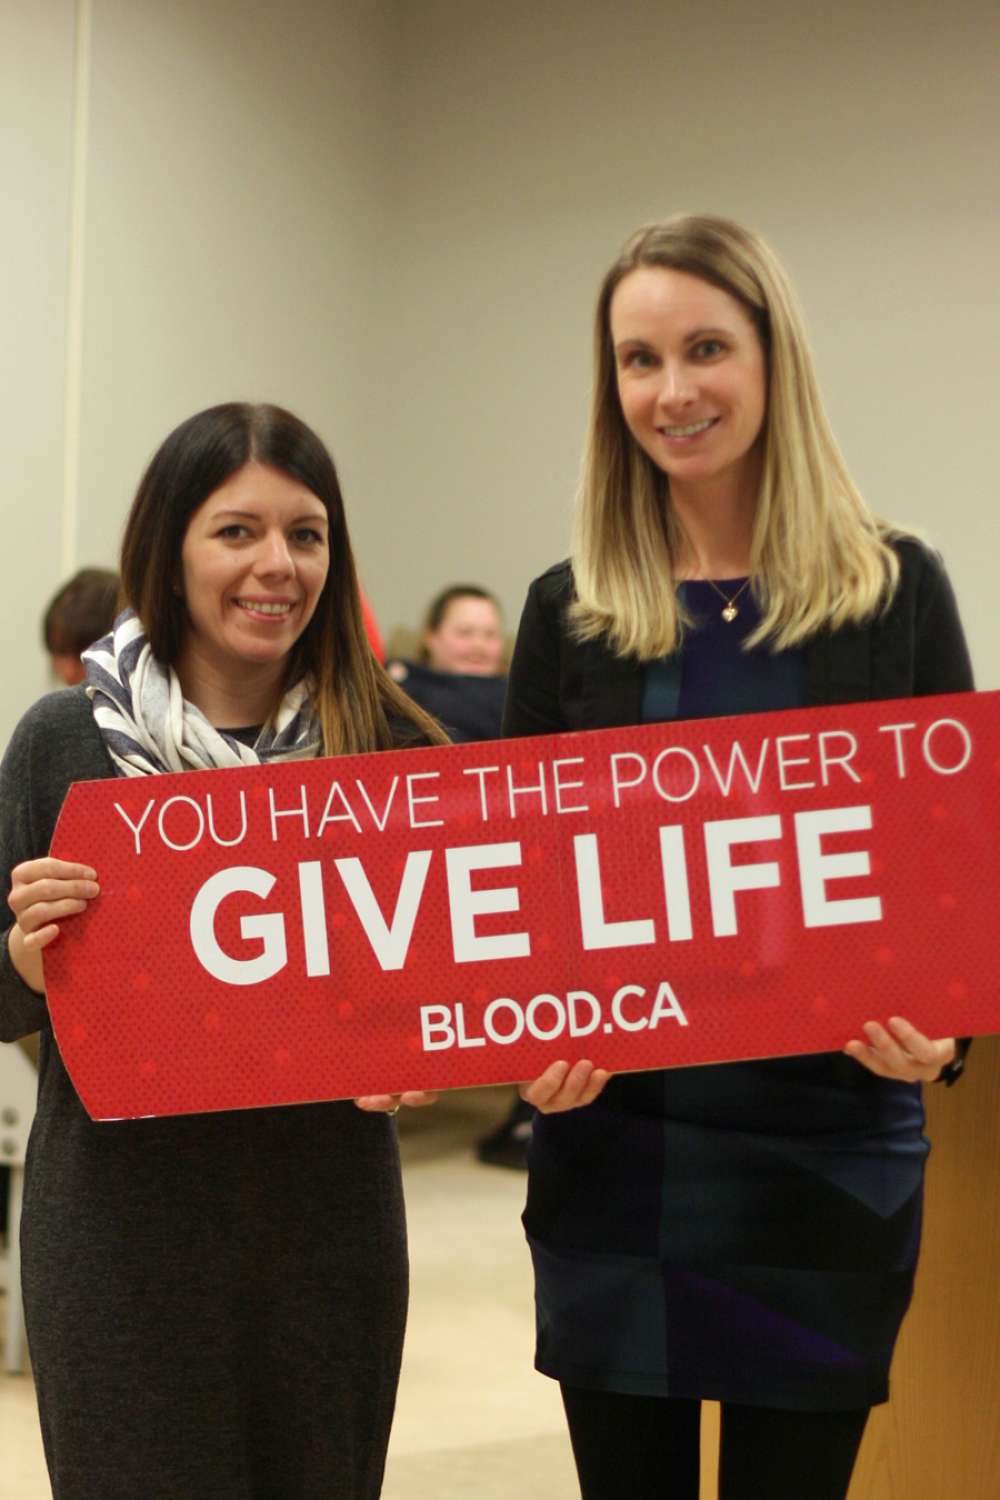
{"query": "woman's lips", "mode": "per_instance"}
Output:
(265, 609)
(688, 432)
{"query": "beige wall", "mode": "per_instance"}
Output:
(231, 161)
(392, 217)
(234, 169)
(36, 132)
(860, 139)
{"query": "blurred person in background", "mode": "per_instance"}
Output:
(459, 675)
(77, 615)
(459, 678)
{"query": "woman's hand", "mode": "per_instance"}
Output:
(902, 1052)
(44, 892)
(563, 1087)
(388, 1104)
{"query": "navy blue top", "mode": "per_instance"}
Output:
(711, 675)
(742, 1232)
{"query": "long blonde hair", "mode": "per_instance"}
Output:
(819, 557)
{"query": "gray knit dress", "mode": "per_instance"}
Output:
(215, 1303)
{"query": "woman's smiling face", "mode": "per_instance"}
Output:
(253, 564)
(692, 375)
(468, 638)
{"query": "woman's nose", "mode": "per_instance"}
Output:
(274, 556)
(676, 385)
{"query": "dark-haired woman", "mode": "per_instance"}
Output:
(215, 1304)
(747, 1233)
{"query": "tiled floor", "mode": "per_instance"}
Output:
(473, 1418)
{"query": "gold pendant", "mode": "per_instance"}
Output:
(729, 613)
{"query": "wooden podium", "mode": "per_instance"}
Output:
(940, 1433)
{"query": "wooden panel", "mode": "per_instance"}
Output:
(940, 1434)
(709, 1450)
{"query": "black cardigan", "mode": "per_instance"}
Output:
(914, 649)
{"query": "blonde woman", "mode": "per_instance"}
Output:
(746, 1233)
(215, 1303)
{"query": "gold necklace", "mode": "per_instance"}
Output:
(729, 600)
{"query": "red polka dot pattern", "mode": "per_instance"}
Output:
(447, 942)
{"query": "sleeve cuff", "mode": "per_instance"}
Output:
(952, 1072)
(22, 1011)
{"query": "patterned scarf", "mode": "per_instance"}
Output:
(148, 726)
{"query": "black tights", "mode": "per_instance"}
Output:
(647, 1448)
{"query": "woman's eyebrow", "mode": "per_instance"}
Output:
(633, 341)
(253, 515)
(701, 333)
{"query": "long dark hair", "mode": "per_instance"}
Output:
(360, 707)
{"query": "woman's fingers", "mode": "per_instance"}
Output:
(542, 1090)
(48, 889)
(48, 868)
(563, 1087)
(598, 1079)
(900, 1051)
(42, 913)
(869, 1058)
(559, 1088)
(885, 1046)
(40, 938)
(45, 892)
(919, 1046)
(387, 1104)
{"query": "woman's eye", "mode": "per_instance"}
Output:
(637, 359)
(308, 535)
(709, 348)
(232, 532)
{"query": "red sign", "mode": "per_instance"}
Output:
(645, 897)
